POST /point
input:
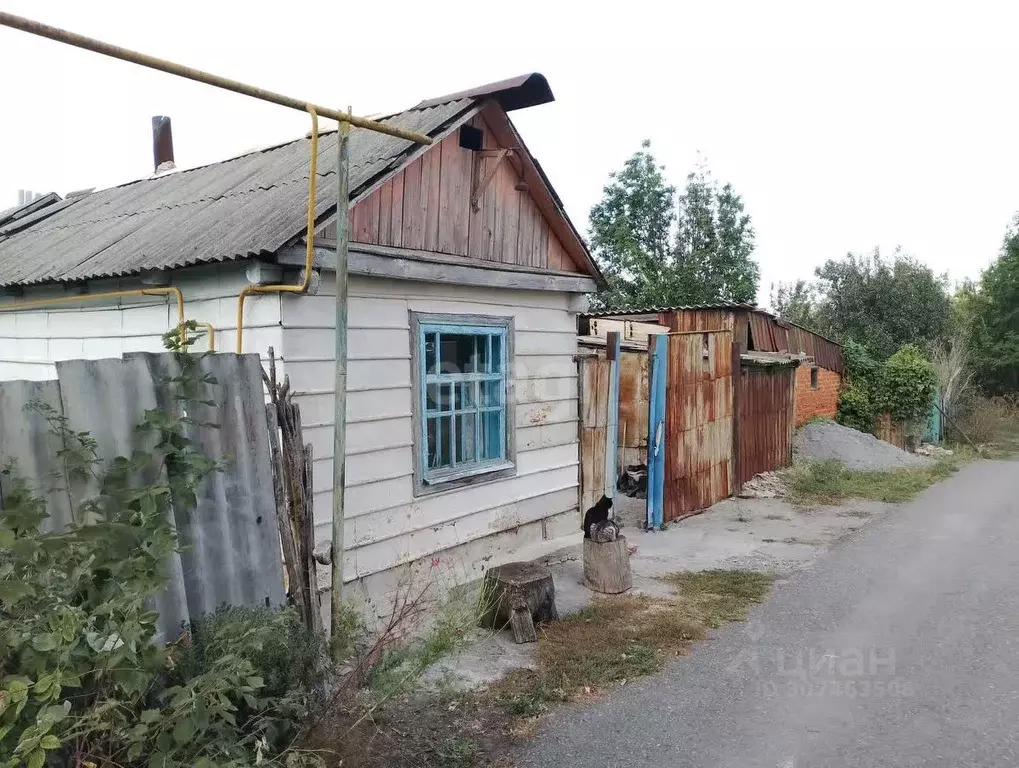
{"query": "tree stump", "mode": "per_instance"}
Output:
(607, 566)
(521, 594)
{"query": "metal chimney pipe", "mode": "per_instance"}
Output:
(162, 144)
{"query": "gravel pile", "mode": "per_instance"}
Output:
(828, 440)
(767, 485)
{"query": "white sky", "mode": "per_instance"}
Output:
(844, 126)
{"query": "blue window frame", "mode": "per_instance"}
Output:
(462, 399)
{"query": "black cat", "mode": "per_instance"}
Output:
(599, 513)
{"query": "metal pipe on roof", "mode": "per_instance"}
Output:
(162, 144)
(143, 59)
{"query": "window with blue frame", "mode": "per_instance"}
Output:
(462, 394)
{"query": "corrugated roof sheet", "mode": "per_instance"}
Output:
(652, 310)
(248, 206)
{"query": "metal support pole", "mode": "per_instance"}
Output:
(340, 381)
(170, 67)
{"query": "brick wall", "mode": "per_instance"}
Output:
(822, 401)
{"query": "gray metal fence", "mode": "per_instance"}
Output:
(232, 552)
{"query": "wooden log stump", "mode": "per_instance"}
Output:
(607, 566)
(521, 594)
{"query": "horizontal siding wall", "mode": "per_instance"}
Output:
(386, 525)
(33, 340)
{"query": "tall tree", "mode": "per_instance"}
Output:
(994, 310)
(631, 234)
(882, 303)
(795, 302)
(714, 242)
(654, 252)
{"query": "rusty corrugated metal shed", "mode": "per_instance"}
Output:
(248, 206)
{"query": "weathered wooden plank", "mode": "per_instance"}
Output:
(413, 206)
(396, 221)
(454, 196)
(509, 202)
(385, 194)
(366, 219)
(430, 187)
(527, 220)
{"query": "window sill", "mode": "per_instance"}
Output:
(439, 481)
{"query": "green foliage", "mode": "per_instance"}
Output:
(855, 409)
(655, 249)
(795, 302)
(714, 243)
(883, 304)
(993, 312)
(82, 680)
(907, 385)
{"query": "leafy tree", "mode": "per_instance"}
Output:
(714, 243)
(631, 235)
(882, 303)
(795, 302)
(993, 311)
(907, 385)
(656, 251)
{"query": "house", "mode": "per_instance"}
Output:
(466, 278)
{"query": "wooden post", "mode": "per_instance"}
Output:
(737, 386)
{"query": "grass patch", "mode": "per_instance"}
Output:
(831, 483)
(459, 753)
(615, 639)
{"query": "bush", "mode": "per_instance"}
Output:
(987, 420)
(907, 385)
(82, 681)
(855, 409)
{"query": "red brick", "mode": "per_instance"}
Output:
(823, 401)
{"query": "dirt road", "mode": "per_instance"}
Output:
(900, 647)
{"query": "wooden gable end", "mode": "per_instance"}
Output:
(427, 206)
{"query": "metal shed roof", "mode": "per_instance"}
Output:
(250, 205)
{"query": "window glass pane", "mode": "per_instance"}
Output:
(430, 345)
(432, 401)
(438, 442)
(491, 435)
(496, 354)
(491, 393)
(465, 437)
(465, 395)
(457, 353)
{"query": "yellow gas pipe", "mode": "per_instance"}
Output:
(301, 287)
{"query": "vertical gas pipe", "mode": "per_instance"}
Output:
(340, 382)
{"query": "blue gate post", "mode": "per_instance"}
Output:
(658, 365)
(612, 353)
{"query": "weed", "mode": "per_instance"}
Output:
(459, 753)
(721, 595)
(830, 482)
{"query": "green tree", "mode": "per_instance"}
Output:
(882, 303)
(714, 243)
(795, 302)
(631, 235)
(994, 313)
(657, 251)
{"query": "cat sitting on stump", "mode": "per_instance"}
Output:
(598, 526)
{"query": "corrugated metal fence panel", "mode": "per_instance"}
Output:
(232, 550)
(766, 413)
(633, 407)
(698, 422)
(594, 394)
(826, 353)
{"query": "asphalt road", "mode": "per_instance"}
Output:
(900, 647)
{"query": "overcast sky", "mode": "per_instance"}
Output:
(844, 126)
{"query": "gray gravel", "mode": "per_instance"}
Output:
(828, 440)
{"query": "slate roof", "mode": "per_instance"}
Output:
(250, 205)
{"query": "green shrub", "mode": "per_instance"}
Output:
(855, 409)
(82, 681)
(907, 385)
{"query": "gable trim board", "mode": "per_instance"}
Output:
(412, 264)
